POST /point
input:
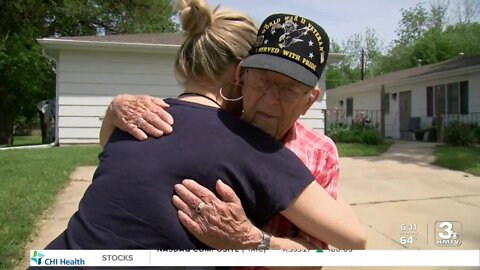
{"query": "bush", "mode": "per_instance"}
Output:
(432, 134)
(344, 134)
(477, 133)
(355, 135)
(460, 134)
(372, 137)
(22, 126)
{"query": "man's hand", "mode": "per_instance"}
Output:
(218, 223)
(141, 116)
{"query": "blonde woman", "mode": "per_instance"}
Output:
(129, 204)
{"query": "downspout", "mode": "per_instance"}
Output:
(56, 142)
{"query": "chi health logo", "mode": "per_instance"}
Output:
(37, 257)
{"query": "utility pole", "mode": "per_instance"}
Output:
(362, 65)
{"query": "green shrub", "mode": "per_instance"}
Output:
(477, 133)
(432, 134)
(22, 126)
(344, 134)
(460, 134)
(355, 135)
(372, 137)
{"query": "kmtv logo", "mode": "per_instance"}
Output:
(448, 233)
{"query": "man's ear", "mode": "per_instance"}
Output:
(313, 96)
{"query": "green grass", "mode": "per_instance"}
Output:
(27, 140)
(29, 182)
(361, 150)
(459, 158)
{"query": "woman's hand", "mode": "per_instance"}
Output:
(141, 116)
(220, 223)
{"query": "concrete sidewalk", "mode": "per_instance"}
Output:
(402, 187)
(55, 220)
(399, 187)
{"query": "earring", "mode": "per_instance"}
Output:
(229, 99)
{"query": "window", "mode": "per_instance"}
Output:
(453, 98)
(386, 103)
(349, 106)
(449, 98)
(464, 97)
(430, 101)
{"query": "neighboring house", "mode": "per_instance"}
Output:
(450, 88)
(91, 70)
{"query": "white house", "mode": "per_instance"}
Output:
(91, 70)
(450, 88)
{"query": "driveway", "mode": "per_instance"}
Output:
(402, 187)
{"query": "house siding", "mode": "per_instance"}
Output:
(88, 80)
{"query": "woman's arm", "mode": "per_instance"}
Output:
(315, 212)
(107, 127)
(222, 224)
(138, 115)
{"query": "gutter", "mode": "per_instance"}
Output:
(53, 43)
(56, 142)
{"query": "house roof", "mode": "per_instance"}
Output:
(154, 42)
(414, 73)
(154, 38)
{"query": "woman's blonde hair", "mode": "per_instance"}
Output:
(213, 40)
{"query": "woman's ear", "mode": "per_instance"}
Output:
(238, 73)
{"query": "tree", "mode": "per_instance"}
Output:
(437, 18)
(466, 11)
(424, 37)
(27, 77)
(412, 25)
(349, 69)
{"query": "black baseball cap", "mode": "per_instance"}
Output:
(291, 45)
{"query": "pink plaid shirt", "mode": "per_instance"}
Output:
(319, 153)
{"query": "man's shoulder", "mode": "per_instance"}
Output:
(307, 136)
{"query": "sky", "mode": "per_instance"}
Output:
(340, 18)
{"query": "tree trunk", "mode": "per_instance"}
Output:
(7, 118)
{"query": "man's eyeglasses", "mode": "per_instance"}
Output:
(285, 92)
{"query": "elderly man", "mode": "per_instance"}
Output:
(279, 83)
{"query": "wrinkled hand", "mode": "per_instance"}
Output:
(128, 112)
(222, 223)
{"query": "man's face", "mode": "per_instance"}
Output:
(273, 102)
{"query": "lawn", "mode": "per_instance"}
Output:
(27, 140)
(459, 158)
(361, 150)
(29, 182)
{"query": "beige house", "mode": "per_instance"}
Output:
(91, 70)
(450, 88)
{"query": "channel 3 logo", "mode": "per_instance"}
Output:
(448, 233)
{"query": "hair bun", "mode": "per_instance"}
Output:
(195, 16)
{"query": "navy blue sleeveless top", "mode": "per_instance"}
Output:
(128, 205)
